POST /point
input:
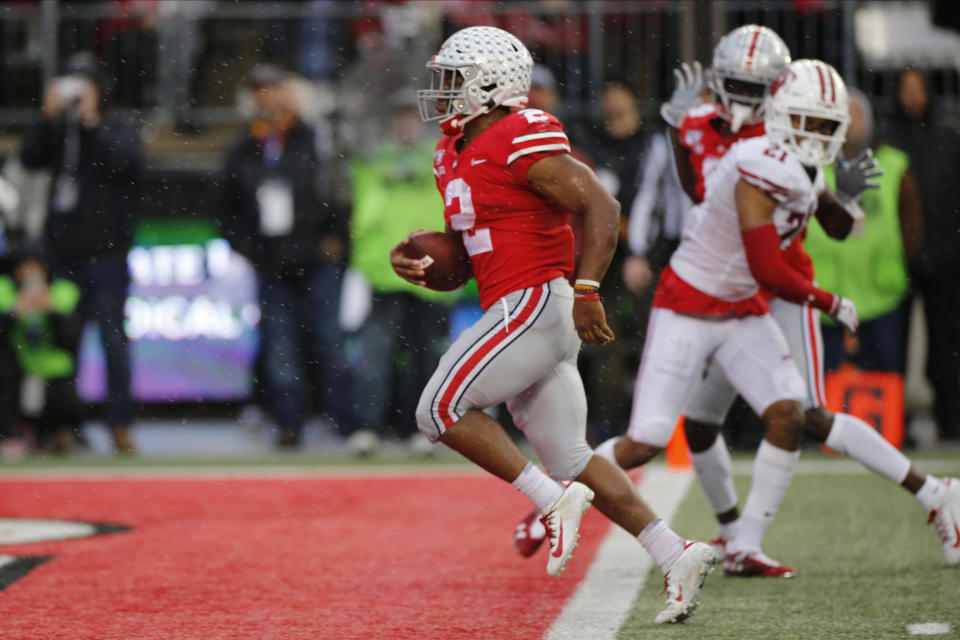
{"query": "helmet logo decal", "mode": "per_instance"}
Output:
(781, 80)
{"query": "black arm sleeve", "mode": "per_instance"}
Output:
(39, 143)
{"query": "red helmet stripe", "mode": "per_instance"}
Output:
(833, 87)
(823, 84)
(753, 48)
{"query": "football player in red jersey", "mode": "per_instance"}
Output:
(509, 185)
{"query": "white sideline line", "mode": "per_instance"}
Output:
(599, 606)
(928, 628)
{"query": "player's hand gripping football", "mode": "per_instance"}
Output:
(589, 318)
(407, 268)
(845, 312)
(855, 176)
(688, 90)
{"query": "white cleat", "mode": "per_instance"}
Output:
(684, 580)
(562, 522)
(946, 518)
(719, 545)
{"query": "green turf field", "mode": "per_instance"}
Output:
(868, 565)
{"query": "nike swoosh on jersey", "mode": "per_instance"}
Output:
(476, 161)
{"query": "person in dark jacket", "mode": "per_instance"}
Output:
(95, 161)
(615, 145)
(271, 211)
(934, 152)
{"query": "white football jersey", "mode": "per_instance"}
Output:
(711, 256)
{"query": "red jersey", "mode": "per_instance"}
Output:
(515, 238)
(704, 132)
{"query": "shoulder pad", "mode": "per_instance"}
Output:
(699, 115)
(767, 166)
(531, 131)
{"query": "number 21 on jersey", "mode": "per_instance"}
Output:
(474, 240)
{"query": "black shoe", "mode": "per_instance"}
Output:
(288, 440)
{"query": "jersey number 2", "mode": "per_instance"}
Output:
(474, 240)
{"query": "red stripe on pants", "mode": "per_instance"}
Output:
(464, 371)
(814, 357)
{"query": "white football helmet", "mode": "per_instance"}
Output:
(808, 89)
(745, 61)
(476, 70)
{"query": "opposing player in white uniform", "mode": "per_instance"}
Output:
(748, 56)
(758, 201)
(745, 61)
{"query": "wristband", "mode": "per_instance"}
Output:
(591, 284)
(834, 305)
(591, 296)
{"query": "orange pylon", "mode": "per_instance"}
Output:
(677, 452)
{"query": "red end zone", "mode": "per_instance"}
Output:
(392, 558)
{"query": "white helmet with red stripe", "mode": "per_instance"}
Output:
(476, 69)
(807, 111)
(745, 61)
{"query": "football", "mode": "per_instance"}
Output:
(449, 266)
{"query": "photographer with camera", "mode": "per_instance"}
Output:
(94, 159)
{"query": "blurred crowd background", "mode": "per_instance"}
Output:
(197, 199)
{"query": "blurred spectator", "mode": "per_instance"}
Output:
(318, 38)
(616, 144)
(545, 95)
(9, 202)
(870, 267)
(543, 92)
(616, 147)
(654, 224)
(180, 44)
(934, 152)
(274, 214)
(95, 161)
(405, 333)
(39, 333)
(392, 39)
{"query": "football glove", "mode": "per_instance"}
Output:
(855, 176)
(845, 312)
(687, 92)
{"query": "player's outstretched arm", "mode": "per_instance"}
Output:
(836, 220)
(573, 186)
(685, 171)
(761, 242)
(689, 86)
(837, 213)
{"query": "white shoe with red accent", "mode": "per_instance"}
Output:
(562, 522)
(946, 518)
(684, 580)
(756, 564)
(719, 545)
(529, 534)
